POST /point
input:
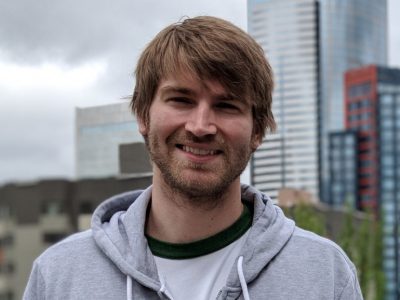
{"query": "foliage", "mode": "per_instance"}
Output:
(305, 217)
(364, 247)
(361, 239)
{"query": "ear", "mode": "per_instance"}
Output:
(256, 141)
(143, 127)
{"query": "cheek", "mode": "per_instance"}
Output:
(163, 122)
(241, 133)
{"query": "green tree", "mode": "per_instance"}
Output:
(378, 276)
(306, 217)
(363, 245)
(360, 239)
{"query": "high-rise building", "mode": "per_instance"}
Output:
(310, 44)
(288, 32)
(100, 131)
(372, 107)
(353, 33)
(344, 161)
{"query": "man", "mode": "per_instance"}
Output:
(203, 103)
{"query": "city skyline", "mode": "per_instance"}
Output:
(59, 56)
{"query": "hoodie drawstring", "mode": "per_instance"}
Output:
(128, 287)
(162, 288)
(243, 283)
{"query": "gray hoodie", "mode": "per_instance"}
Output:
(113, 261)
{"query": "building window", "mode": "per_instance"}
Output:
(353, 118)
(353, 106)
(359, 90)
(4, 212)
(6, 241)
(386, 112)
(349, 141)
(387, 123)
(365, 103)
(386, 100)
(387, 172)
(86, 208)
(51, 208)
(7, 268)
(387, 148)
(388, 185)
(398, 121)
(365, 127)
(53, 237)
(387, 161)
(388, 264)
(387, 136)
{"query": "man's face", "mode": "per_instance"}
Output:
(199, 136)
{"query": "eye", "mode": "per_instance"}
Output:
(180, 100)
(227, 106)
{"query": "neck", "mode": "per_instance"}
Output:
(176, 219)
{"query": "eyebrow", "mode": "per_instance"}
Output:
(176, 89)
(189, 92)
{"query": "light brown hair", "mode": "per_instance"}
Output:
(210, 48)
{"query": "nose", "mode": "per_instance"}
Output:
(201, 122)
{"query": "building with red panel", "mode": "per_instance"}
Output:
(361, 106)
(372, 111)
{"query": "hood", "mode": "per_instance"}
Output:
(269, 234)
(118, 229)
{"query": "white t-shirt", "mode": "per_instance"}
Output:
(199, 278)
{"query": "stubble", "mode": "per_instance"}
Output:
(212, 181)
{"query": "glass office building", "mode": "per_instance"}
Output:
(288, 32)
(343, 158)
(310, 44)
(389, 158)
(353, 33)
(99, 132)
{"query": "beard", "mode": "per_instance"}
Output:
(202, 184)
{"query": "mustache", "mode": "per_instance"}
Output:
(188, 137)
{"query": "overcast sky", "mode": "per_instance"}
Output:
(57, 55)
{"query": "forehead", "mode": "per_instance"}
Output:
(190, 82)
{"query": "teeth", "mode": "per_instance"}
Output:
(198, 151)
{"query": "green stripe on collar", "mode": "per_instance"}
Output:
(207, 245)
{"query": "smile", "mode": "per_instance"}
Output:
(198, 151)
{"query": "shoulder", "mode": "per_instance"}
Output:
(71, 251)
(320, 248)
(70, 243)
(314, 241)
(322, 256)
(70, 269)
(304, 236)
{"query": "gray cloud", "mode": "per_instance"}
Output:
(74, 31)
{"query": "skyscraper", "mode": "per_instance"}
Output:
(344, 162)
(288, 32)
(353, 33)
(310, 44)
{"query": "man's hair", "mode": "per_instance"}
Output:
(210, 48)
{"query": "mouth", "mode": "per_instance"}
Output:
(198, 151)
